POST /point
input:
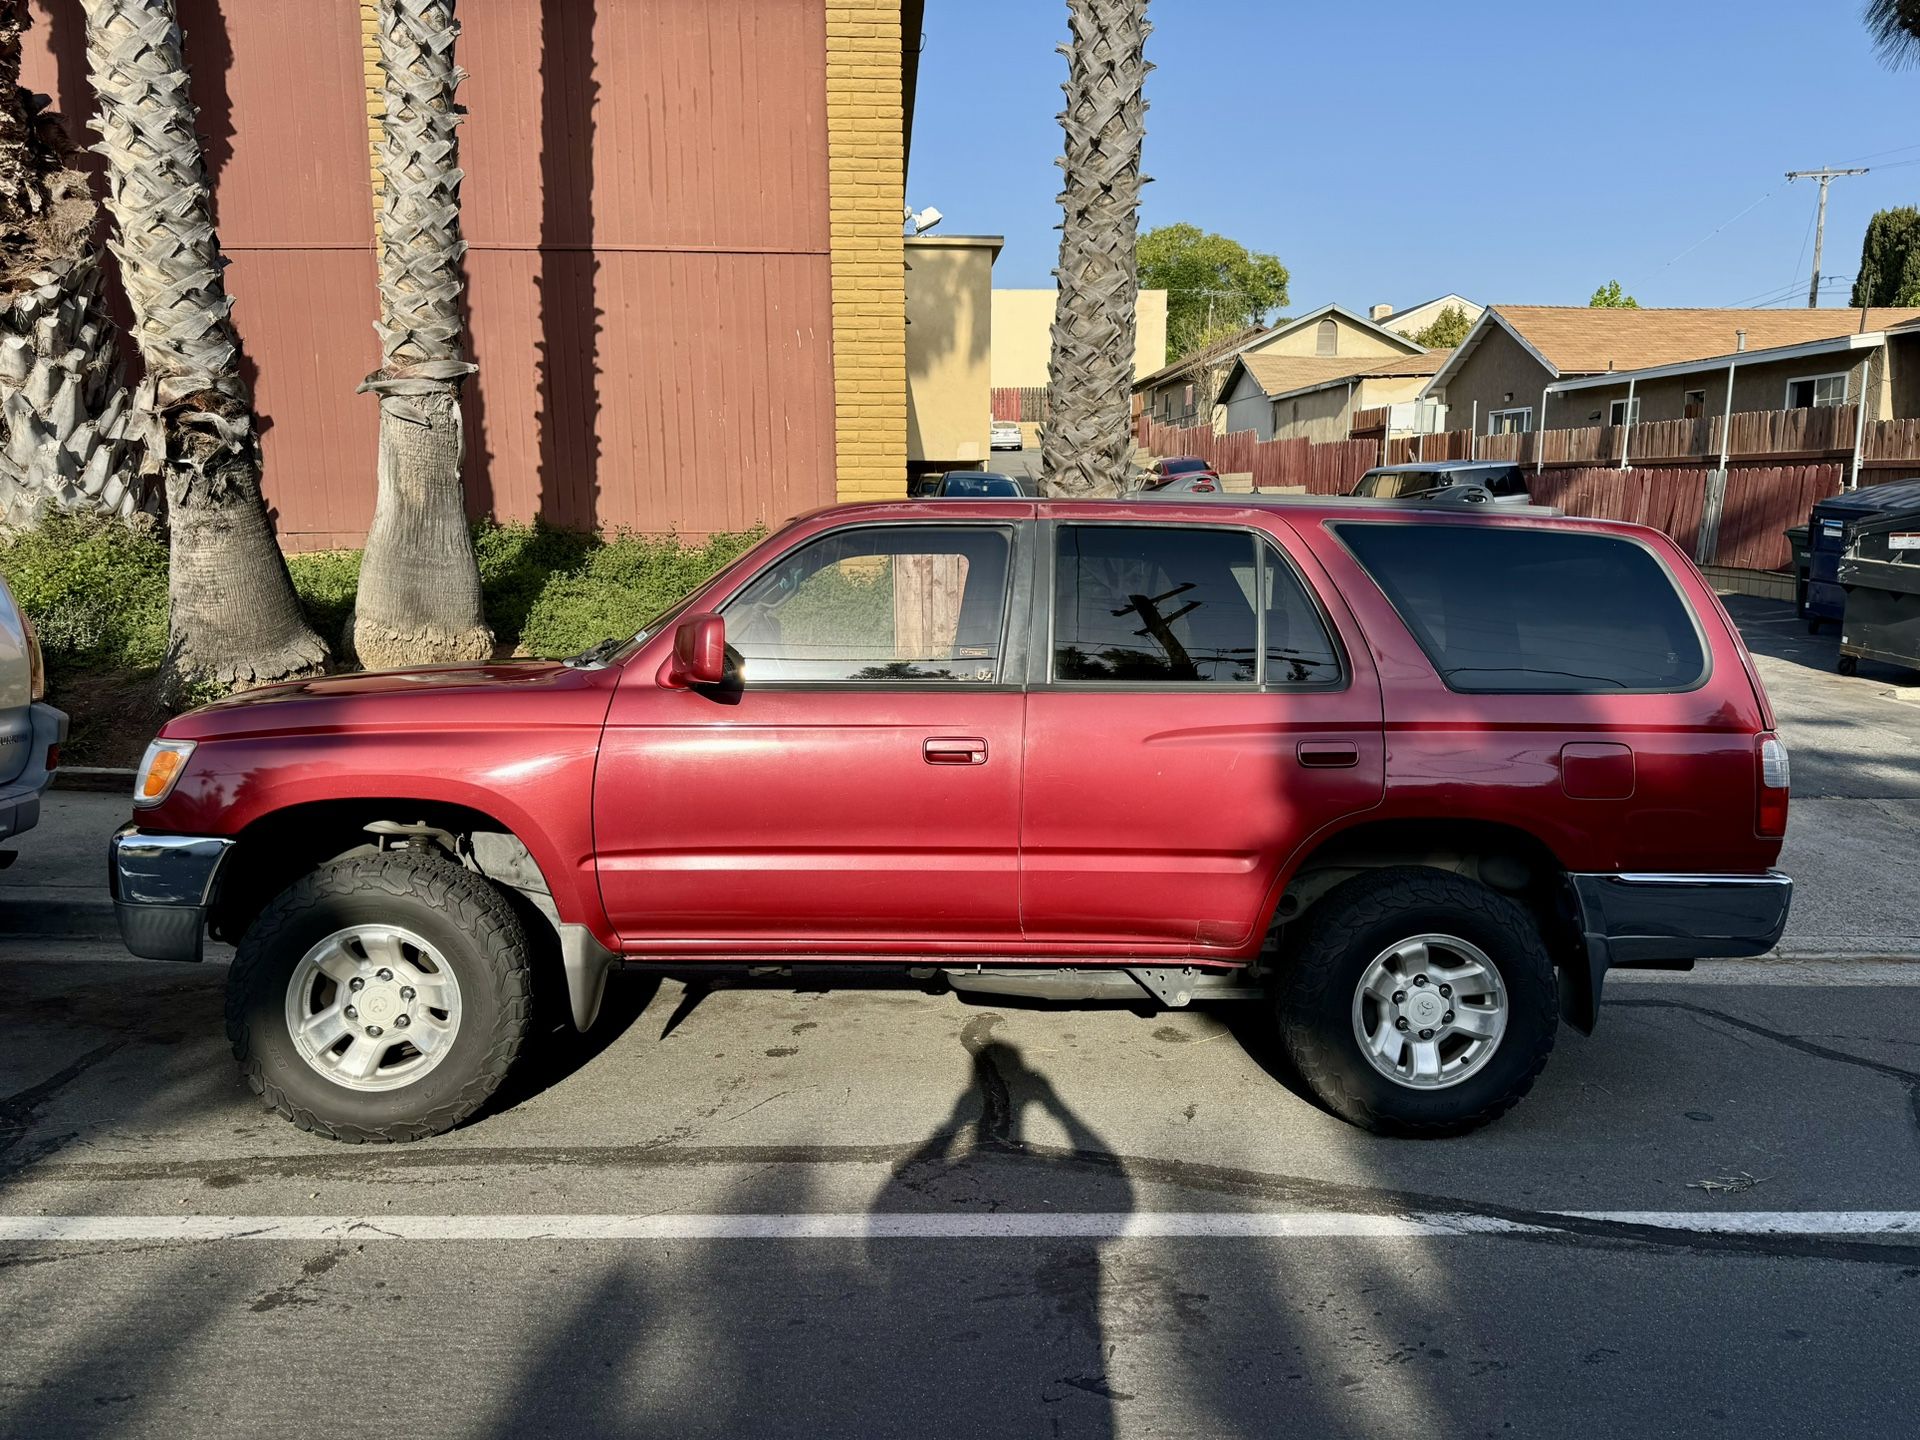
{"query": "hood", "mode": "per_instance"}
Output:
(455, 693)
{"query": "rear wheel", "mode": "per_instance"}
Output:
(1418, 1002)
(379, 998)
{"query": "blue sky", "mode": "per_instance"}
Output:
(1389, 151)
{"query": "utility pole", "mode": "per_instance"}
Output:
(1823, 175)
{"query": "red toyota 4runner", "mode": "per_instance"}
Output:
(1418, 776)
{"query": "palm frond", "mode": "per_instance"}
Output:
(1895, 28)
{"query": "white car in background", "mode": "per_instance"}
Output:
(1005, 435)
(30, 729)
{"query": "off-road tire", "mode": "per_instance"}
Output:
(1342, 934)
(467, 920)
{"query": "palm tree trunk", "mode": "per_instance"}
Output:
(419, 598)
(64, 412)
(1087, 443)
(234, 618)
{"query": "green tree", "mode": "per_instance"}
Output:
(1085, 447)
(1448, 329)
(1889, 271)
(1611, 297)
(1212, 283)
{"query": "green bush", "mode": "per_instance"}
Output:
(95, 589)
(326, 581)
(624, 583)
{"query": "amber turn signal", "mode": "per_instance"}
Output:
(160, 768)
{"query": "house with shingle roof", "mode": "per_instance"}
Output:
(1528, 367)
(1291, 397)
(1188, 391)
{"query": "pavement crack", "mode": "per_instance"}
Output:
(19, 1110)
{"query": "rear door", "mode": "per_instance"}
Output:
(1198, 716)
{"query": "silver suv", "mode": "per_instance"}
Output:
(30, 729)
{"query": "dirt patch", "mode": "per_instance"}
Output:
(112, 714)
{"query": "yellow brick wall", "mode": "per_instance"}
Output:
(376, 96)
(866, 189)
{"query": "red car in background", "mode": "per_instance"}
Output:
(1385, 766)
(1181, 475)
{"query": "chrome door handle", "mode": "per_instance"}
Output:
(953, 750)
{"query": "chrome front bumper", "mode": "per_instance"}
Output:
(161, 885)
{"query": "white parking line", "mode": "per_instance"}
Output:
(1300, 1225)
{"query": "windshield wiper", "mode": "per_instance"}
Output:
(595, 656)
(1529, 670)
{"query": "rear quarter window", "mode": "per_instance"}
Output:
(1506, 610)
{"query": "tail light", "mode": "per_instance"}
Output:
(1203, 487)
(1770, 818)
(36, 662)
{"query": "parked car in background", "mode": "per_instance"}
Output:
(1006, 435)
(1167, 469)
(1504, 482)
(980, 485)
(1385, 767)
(1171, 487)
(31, 731)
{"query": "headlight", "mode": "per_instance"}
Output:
(160, 767)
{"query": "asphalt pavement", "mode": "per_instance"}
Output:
(762, 1211)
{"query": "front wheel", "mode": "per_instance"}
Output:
(1418, 1002)
(382, 997)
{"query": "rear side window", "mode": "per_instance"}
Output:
(1520, 612)
(1183, 606)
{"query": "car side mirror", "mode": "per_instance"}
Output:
(699, 653)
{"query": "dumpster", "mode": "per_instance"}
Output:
(1830, 529)
(1879, 572)
(1797, 539)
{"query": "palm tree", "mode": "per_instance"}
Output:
(1895, 27)
(64, 412)
(1087, 442)
(234, 619)
(419, 597)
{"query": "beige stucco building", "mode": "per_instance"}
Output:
(1023, 336)
(949, 342)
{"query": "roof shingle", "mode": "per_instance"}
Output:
(1583, 339)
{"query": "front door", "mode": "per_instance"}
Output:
(857, 791)
(1198, 724)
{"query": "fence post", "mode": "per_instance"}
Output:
(1707, 543)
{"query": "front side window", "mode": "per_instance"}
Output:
(1506, 610)
(877, 604)
(1182, 606)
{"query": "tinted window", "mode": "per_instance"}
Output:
(1298, 649)
(1182, 466)
(918, 602)
(1534, 611)
(975, 486)
(1137, 603)
(1503, 482)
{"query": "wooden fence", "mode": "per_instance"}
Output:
(1762, 498)
(1328, 469)
(1020, 402)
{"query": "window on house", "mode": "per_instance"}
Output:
(1624, 412)
(914, 603)
(1189, 397)
(1326, 338)
(1817, 390)
(1510, 422)
(1696, 405)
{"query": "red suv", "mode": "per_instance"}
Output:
(1418, 776)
